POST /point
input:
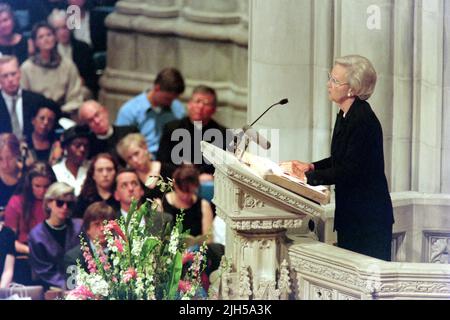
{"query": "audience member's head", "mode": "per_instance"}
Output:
(93, 220)
(9, 154)
(133, 149)
(95, 116)
(37, 180)
(58, 20)
(203, 104)
(127, 188)
(75, 142)
(9, 75)
(186, 182)
(168, 85)
(7, 23)
(44, 38)
(58, 201)
(100, 176)
(44, 118)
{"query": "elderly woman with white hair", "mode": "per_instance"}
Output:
(363, 215)
(50, 240)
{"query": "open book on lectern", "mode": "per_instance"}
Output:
(272, 172)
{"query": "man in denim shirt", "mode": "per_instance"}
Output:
(151, 110)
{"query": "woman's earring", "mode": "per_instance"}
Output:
(349, 94)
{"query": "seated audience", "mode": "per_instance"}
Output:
(10, 167)
(16, 104)
(46, 72)
(11, 41)
(133, 149)
(151, 110)
(77, 51)
(198, 123)
(99, 184)
(198, 215)
(93, 222)
(7, 252)
(73, 167)
(106, 136)
(42, 144)
(25, 210)
(50, 240)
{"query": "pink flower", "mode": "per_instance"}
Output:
(81, 293)
(112, 225)
(188, 257)
(118, 245)
(129, 274)
(92, 266)
(184, 286)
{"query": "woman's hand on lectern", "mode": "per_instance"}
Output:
(296, 168)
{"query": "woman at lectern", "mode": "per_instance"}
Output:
(363, 215)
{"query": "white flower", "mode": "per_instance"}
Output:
(137, 247)
(98, 285)
(173, 244)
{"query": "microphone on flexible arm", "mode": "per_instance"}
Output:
(252, 134)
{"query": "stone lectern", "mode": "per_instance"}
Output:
(257, 214)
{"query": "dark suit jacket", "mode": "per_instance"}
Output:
(31, 101)
(82, 56)
(166, 145)
(356, 167)
(109, 145)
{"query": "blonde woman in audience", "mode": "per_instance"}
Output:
(46, 72)
(133, 149)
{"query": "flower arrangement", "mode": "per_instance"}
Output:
(140, 264)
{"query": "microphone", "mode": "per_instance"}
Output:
(281, 102)
(254, 135)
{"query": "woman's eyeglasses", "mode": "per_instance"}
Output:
(60, 203)
(334, 81)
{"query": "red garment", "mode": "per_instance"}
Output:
(15, 220)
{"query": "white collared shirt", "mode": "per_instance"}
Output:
(64, 175)
(19, 105)
(107, 135)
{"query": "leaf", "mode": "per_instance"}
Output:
(175, 275)
(149, 245)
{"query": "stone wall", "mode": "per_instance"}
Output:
(206, 40)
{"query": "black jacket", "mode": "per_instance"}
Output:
(166, 145)
(31, 101)
(356, 167)
(82, 56)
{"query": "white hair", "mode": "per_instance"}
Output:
(361, 75)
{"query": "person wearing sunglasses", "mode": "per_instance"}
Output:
(50, 240)
(363, 216)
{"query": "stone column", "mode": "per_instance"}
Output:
(446, 104)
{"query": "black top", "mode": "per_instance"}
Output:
(5, 193)
(7, 238)
(83, 203)
(20, 50)
(192, 216)
(58, 235)
(109, 145)
(356, 167)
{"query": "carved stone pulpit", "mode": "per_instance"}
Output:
(257, 214)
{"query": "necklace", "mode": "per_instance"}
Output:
(56, 228)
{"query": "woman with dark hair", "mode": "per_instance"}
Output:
(50, 240)
(42, 145)
(46, 72)
(10, 167)
(24, 211)
(198, 215)
(99, 184)
(11, 42)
